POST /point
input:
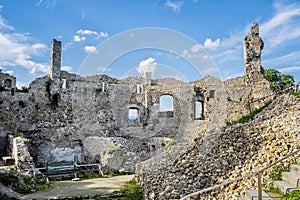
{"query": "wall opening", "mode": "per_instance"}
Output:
(198, 110)
(54, 102)
(7, 83)
(211, 93)
(138, 88)
(64, 84)
(166, 103)
(133, 114)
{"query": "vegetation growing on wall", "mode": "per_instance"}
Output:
(249, 117)
(110, 148)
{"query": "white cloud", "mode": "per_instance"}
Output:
(17, 51)
(20, 84)
(77, 38)
(10, 72)
(196, 48)
(66, 68)
(103, 69)
(148, 65)
(175, 5)
(283, 26)
(103, 34)
(4, 25)
(1, 7)
(90, 32)
(210, 44)
(90, 49)
(289, 69)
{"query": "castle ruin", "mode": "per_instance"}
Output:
(65, 115)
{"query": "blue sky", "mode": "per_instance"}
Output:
(218, 28)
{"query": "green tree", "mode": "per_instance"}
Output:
(277, 80)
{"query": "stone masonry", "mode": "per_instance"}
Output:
(65, 114)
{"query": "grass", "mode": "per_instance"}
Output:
(249, 117)
(273, 189)
(296, 94)
(276, 173)
(131, 191)
(110, 148)
(169, 142)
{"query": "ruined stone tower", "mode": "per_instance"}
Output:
(55, 67)
(55, 60)
(253, 45)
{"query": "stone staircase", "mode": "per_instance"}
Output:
(290, 180)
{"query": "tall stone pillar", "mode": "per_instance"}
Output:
(254, 73)
(253, 46)
(55, 60)
(55, 67)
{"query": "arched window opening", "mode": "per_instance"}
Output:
(198, 110)
(133, 114)
(7, 83)
(166, 103)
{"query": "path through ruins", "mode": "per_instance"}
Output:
(97, 186)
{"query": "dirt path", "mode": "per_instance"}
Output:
(83, 187)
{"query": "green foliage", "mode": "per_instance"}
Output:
(22, 184)
(131, 191)
(277, 80)
(276, 173)
(23, 89)
(18, 134)
(293, 195)
(296, 94)
(99, 90)
(110, 148)
(169, 142)
(4, 197)
(91, 175)
(273, 189)
(249, 117)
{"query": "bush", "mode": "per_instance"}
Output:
(293, 195)
(22, 184)
(23, 89)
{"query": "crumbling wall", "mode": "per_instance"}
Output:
(7, 82)
(65, 114)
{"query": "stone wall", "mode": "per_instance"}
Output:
(65, 114)
(223, 156)
(7, 81)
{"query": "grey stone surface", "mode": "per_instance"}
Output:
(65, 114)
